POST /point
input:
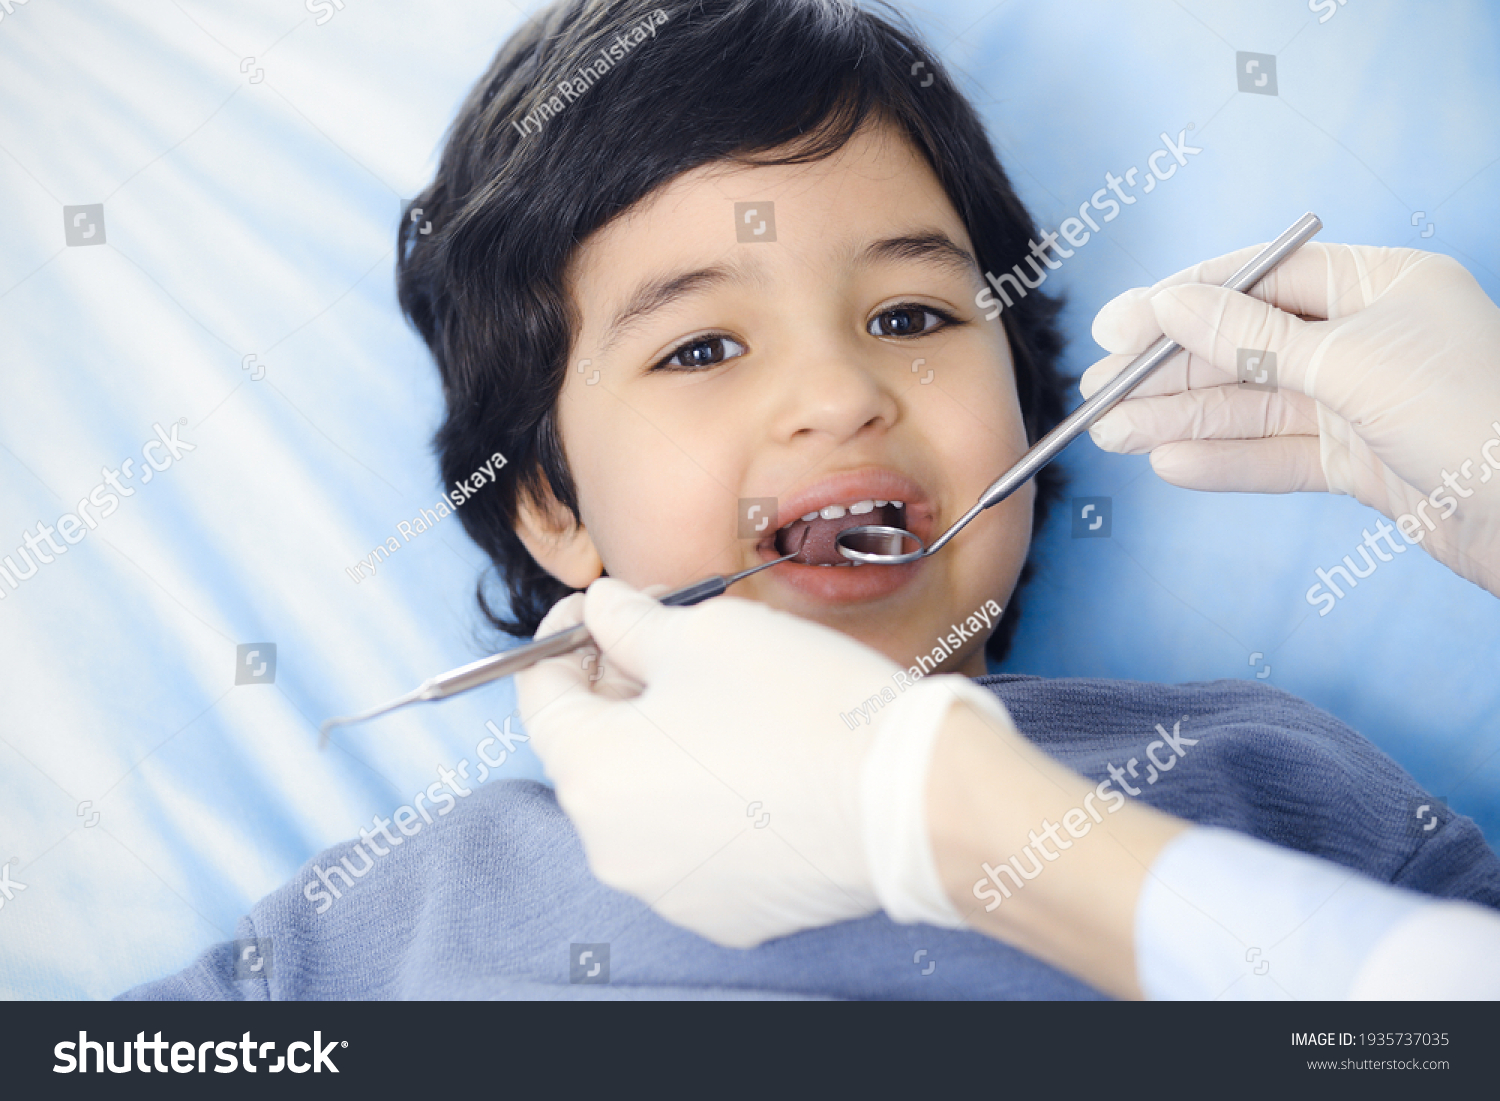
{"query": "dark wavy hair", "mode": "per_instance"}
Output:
(481, 272)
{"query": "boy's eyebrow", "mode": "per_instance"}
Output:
(930, 246)
(926, 246)
(659, 293)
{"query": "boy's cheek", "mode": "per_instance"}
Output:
(652, 531)
(657, 495)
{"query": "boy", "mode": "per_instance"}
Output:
(706, 273)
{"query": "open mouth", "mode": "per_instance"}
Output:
(814, 536)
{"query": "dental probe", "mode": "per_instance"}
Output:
(510, 662)
(878, 543)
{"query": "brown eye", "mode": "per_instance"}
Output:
(705, 351)
(909, 320)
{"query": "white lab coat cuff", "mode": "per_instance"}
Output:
(1224, 916)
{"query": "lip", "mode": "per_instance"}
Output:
(850, 584)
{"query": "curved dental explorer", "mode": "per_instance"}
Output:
(882, 545)
(509, 662)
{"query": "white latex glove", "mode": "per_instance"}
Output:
(1393, 384)
(729, 794)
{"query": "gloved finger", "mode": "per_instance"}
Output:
(1126, 324)
(544, 682)
(1215, 324)
(616, 679)
(567, 612)
(603, 676)
(1183, 371)
(1319, 280)
(545, 693)
(566, 719)
(1323, 280)
(634, 629)
(1281, 464)
(540, 688)
(1230, 412)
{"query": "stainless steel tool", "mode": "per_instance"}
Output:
(514, 661)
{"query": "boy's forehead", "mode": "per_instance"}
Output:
(876, 168)
(867, 202)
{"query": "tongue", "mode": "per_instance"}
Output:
(818, 548)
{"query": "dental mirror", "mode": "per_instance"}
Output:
(885, 546)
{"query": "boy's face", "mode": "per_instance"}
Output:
(834, 358)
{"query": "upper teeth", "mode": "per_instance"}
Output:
(837, 512)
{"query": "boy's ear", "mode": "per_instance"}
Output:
(562, 547)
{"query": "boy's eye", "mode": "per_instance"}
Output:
(704, 351)
(908, 320)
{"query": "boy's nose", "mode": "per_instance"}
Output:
(835, 395)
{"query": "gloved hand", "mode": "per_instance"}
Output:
(1388, 389)
(710, 771)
